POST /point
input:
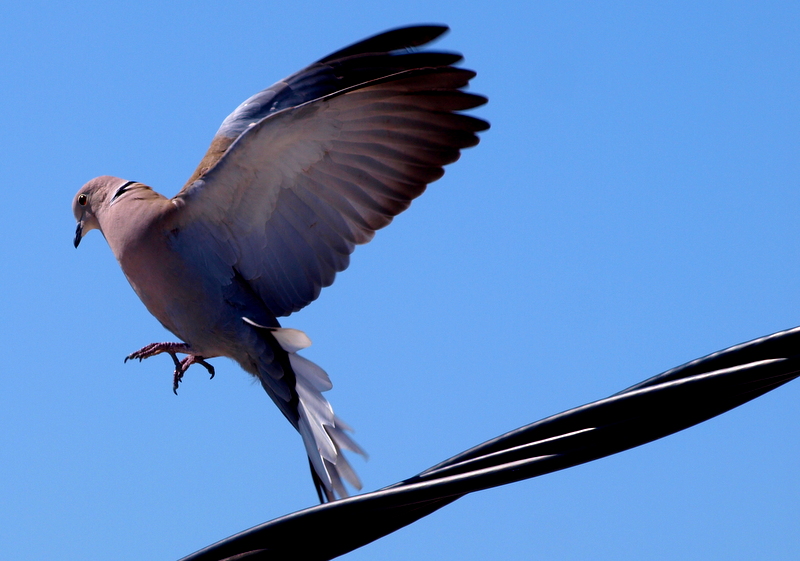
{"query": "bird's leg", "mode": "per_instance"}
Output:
(171, 349)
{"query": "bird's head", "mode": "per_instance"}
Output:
(93, 199)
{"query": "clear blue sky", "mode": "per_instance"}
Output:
(634, 206)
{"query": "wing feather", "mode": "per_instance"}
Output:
(332, 210)
(386, 188)
(314, 229)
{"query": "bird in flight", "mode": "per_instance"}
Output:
(294, 179)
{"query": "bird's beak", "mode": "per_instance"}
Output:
(78, 234)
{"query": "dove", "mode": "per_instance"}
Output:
(294, 179)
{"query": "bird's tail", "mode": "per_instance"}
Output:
(323, 432)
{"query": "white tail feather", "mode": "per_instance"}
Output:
(312, 373)
(291, 340)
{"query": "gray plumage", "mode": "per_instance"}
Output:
(295, 178)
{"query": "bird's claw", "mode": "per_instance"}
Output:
(183, 365)
(200, 360)
(176, 380)
(154, 349)
(180, 365)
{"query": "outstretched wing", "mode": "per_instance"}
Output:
(325, 158)
(366, 60)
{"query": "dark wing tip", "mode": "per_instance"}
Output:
(392, 40)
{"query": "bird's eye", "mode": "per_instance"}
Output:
(82, 198)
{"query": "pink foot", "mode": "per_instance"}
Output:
(171, 349)
(154, 349)
(184, 365)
